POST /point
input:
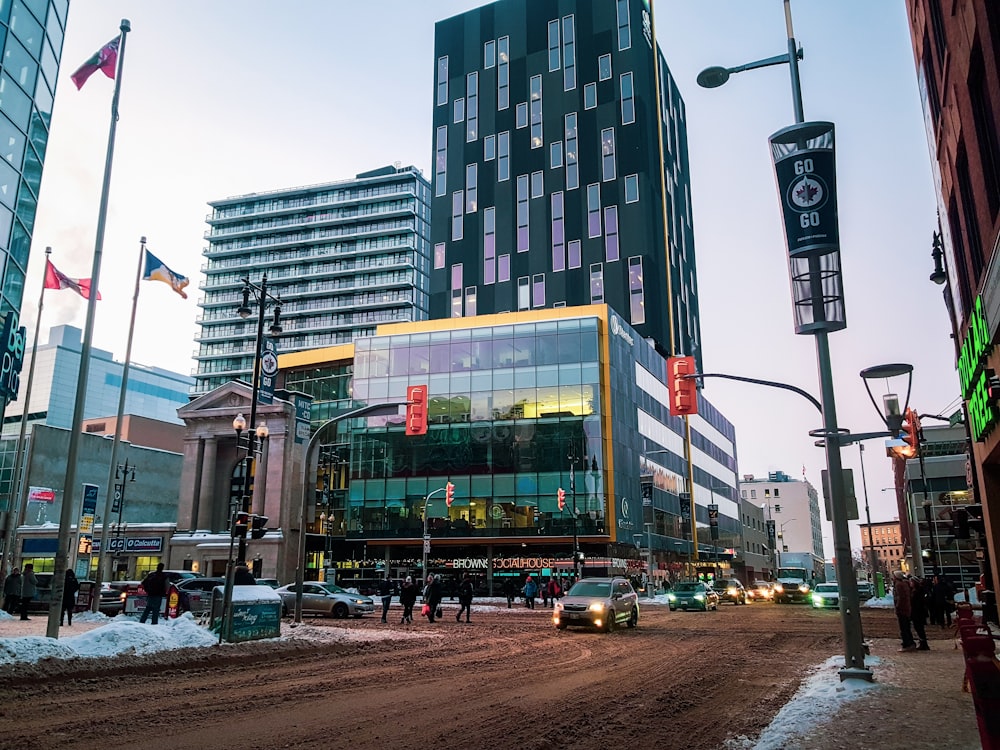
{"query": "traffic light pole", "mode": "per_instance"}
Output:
(427, 536)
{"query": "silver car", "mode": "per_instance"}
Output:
(320, 598)
(602, 603)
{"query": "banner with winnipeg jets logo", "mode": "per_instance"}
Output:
(805, 168)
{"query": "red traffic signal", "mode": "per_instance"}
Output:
(258, 526)
(683, 389)
(241, 524)
(911, 433)
(561, 495)
(449, 493)
(416, 410)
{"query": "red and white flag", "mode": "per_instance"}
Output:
(56, 279)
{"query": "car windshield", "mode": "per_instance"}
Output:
(332, 588)
(687, 587)
(590, 588)
(827, 588)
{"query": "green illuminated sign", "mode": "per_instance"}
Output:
(972, 373)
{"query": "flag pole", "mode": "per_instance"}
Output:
(104, 555)
(15, 512)
(64, 553)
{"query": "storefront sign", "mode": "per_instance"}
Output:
(972, 373)
(303, 415)
(620, 332)
(86, 525)
(11, 358)
(139, 544)
(41, 495)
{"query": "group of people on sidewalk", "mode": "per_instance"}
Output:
(432, 595)
(21, 587)
(550, 591)
(915, 600)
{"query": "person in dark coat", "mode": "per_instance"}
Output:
(465, 593)
(407, 598)
(385, 592)
(943, 598)
(510, 591)
(241, 577)
(902, 597)
(918, 611)
(155, 586)
(432, 595)
(29, 588)
(69, 598)
(12, 592)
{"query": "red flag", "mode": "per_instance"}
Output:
(105, 59)
(56, 279)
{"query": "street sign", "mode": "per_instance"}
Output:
(427, 543)
(116, 506)
(713, 520)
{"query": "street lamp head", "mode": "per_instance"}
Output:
(244, 309)
(239, 423)
(276, 328)
(939, 275)
(262, 431)
(712, 78)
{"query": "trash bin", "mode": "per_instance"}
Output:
(256, 613)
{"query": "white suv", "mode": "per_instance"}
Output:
(603, 603)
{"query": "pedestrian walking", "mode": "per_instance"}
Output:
(12, 592)
(385, 591)
(432, 596)
(902, 598)
(70, 587)
(943, 598)
(554, 591)
(155, 586)
(918, 611)
(510, 591)
(29, 589)
(408, 597)
(465, 593)
(530, 591)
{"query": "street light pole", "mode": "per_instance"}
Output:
(872, 560)
(573, 458)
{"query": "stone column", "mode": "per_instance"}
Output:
(206, 493)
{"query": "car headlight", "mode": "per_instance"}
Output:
(559, 606)
(597, 607)
(360, 601)
(804, 588)
(700, 597)
(817, 600)
(731, 591)
(778, 588)
(671, 597)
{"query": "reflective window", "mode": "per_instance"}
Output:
(522, 213)
(572, 167)
(611, 233)
(555, 155)
(628, 99)
(14, 102)
(11, 146)
(442, 80)
(439, 255)
(596, 283)
(503, 268)
(521, 116)
(456, 290)
(558, 233)
(459, 109)
(604, 67)
(6, 217)
(471, 187)
(8, 184)
(490, 54)
(608, 154)
(538, 290)
(594, 210)
(53, 29)
(554, 45)
(489, 148)
(632, 188)
(19, 65)
(537, 185)
(489, 245)
(472, 107)
(441, 161)
(575, 254)
(503, 73)
(624, 31)
(457, 202)
(503, 156)
(569, 53)
(26, 28)
(536, 112)
(637, 303)
(523, 293)
(589, 95)
(470, 301)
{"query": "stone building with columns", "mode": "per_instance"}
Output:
(212, 482)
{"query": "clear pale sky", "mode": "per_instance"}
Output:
(238, 96)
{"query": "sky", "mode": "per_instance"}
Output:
(231, 97)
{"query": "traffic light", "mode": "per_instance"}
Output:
(449, 493)
(416, 410)
(683, 390)
(258, 526)
(240, 525)
(976, 520)
(911, 434)
(561, 495)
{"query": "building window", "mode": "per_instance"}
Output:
(628, 99)
(442, 86)
(555, 155)
(456, 290)
(636, 298)
(439, 255)
(489, 245)
(537, 185)
(470, 301)
(554, 45)
(608, 154)
(777, 493)
(503, 73)
(596, 283)
(522, 213)
(632, 188)
(523, 293)
(575, 254)
(521, 118)
(489, 148)
(604, 68)
(589, 95)
(457, 202)
(503, 156)
(536, 112)
(441, 162)
(490, 54)
(594, 210)
(558, 233)
(471, 187)
(572, 168)
(538, 290)
(459, 109)
(611, 233)
(472, 107)
(624, 32)
(503, 268)
(569, 54)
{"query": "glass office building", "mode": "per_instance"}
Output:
(521, 405)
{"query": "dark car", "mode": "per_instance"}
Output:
(730, 590)
(196, 593)
(692, 595)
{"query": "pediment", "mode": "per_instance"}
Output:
(231, 396)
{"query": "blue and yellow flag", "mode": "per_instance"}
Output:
(156, 270)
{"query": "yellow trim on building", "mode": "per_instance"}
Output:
(326, 355)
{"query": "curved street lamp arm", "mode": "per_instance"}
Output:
(756, 381)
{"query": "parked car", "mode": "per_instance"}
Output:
(320, 598)
(692, 595)
(826, 595)
(761, 591)
(602, 603)
(179, 575)
(196, 593)
(866, 590)
(272, 582)
(730, 590)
